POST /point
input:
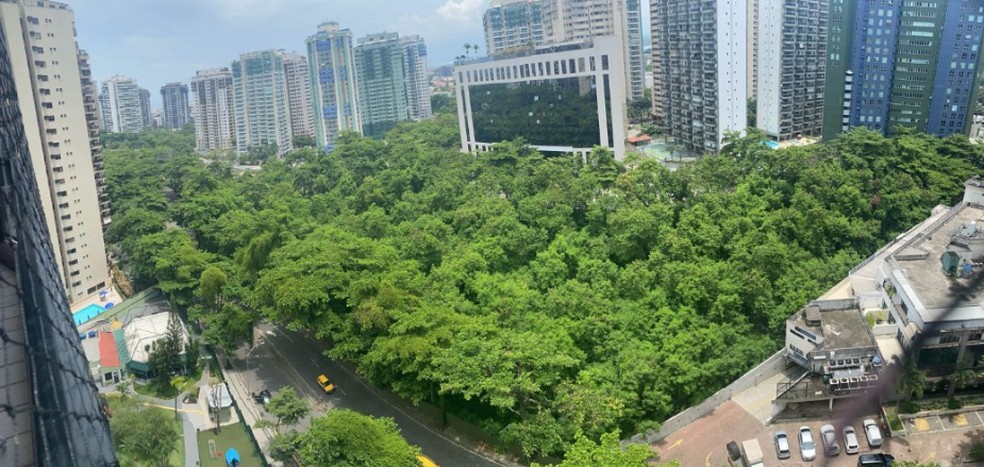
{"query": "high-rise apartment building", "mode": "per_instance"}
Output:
(792, 44)
(577, 20)
(381, 83)
(415, 77)
(752, 49)
(259, 90)
(121, 105)
(699, 70)
(299, 94)
(512, 25)
(176, 110)
(902, 63)
(145, 110)
(45, 64)
(331, 66)
(90, 102)
(212, 108)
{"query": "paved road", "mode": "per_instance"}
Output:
(287, 358)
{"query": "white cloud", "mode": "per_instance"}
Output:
(461, 10)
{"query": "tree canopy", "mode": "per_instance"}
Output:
(536, 296)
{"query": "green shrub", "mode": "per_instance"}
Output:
(953, 404)
(893, 419)
(909, 407)
(977, 451)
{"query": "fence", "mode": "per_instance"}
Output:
(767, 369)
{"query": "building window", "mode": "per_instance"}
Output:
(949, 338)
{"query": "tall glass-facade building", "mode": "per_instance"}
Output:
(899, 62)
(331, 70)
(381, 83)
(259, 90)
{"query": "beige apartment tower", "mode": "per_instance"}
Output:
(45, 63)
(299, 94)
(211, 110)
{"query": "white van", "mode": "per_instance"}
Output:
(873, 433)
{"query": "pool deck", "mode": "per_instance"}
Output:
(111, 296)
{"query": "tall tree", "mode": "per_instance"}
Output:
(287, 407)
(146, 434)
(349, 439)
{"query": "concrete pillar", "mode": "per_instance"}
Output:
(831, 407)
(962, 350)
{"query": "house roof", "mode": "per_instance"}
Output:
(639, 139)
(141, 333)
(108, 357)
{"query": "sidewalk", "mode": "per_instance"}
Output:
(243, 400)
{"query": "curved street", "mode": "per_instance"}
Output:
(281, 358)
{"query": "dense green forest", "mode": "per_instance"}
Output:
(537, 297)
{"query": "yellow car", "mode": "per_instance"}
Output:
(325, 384)
(426, 462)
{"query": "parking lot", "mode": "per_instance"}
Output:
(703, 442)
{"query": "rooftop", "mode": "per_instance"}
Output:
(840, 328)
(917, 266)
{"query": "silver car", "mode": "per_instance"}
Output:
(808, 449)
(829, 436)
(850, 440)
(783, 450)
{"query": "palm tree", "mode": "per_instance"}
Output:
(962, 377)
(911, 381)
(475, 46)
(467, 48)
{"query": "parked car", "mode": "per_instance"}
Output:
(867, 460)
(325, 384)
(829, 437)
(850, 440)
(734, 455)
(782, 445)
(808, 449)
(262, 398)
(872, 432)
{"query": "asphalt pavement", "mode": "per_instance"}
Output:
(282, 357)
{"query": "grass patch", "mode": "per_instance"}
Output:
(179, 384)
(231, 436)
(894, 422)
(118, 403)
(152, 389)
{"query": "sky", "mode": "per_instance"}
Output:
(160, 41)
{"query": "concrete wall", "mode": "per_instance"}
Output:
(767, 369)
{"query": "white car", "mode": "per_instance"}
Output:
(873, 433)
(850, 440)
(808, 449)
(782, 445)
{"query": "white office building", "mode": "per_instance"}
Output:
(564, 98)
(299, 94)
(259, 93)
(121, 105)
(212, 110)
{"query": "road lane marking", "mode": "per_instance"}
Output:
(707, 460)
(677, 443)
(960, 420)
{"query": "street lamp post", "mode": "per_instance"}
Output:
(248, 355)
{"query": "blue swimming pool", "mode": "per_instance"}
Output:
(772, 144)
(87, 313)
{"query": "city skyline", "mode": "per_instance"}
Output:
(215, 32)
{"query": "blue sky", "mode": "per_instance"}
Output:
(158, 41)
